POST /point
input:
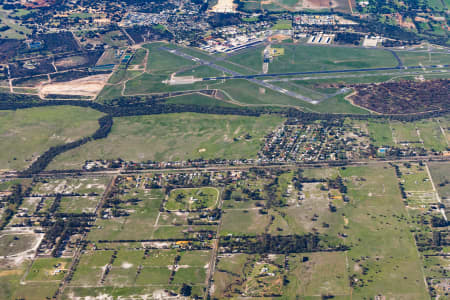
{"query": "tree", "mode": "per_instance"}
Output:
(185, 290)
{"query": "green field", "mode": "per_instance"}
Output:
(16, 30)
(78, 205)
(376, 213)
(175, 137)
(201, 72)
(243, 221)
(415, 58)
(137, 225)
(322, 274)
(27, 133)
(404, 132)
(193, 199)
(251, 94)
(198, 99)
(299, 58)
(48, 269)
(440, 171)
(163, 62)
(431, 135)
(11, 244)
(380, 133)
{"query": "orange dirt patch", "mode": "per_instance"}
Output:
(279, 37)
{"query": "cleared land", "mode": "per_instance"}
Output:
(27, 133)
(88, 86)
(440, 171)
(175, 137)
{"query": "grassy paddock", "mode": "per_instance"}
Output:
(175, 137)
(27, 133)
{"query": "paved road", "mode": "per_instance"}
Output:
(221, 167)
(352, 76)
(322, 72)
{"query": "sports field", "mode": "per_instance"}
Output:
(27, 133)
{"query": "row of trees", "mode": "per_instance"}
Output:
(267, 243)
(44, 160)
(13, 202)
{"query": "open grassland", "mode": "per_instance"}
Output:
(193, 199)
(163, 62)
(90, 268)
(175, 137)
(198, 99)
(201, 72)
(27, 133)
(380, 133)
(417, 185)
(440, 172)
(299, 58)
(15, 30)
(250, 94)
(243, 221)
(138, 224)
(136, 269)
(78, 205)
(321, 273)
(12, 244)
(432, 135)
(404, 132)
(252, 59)
(48, 269)
(415, 58)
(376, 213)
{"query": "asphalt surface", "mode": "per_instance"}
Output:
(323, 72)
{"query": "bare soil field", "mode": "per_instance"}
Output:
(224, 6)
(87, 86)
(71, 61)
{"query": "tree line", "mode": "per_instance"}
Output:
(44, 160)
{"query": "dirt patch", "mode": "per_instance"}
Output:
(10, 272)
(87, 86)
(319, 4)
(278, 37)
(71, 61)
(126, 265)
(225, 6)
